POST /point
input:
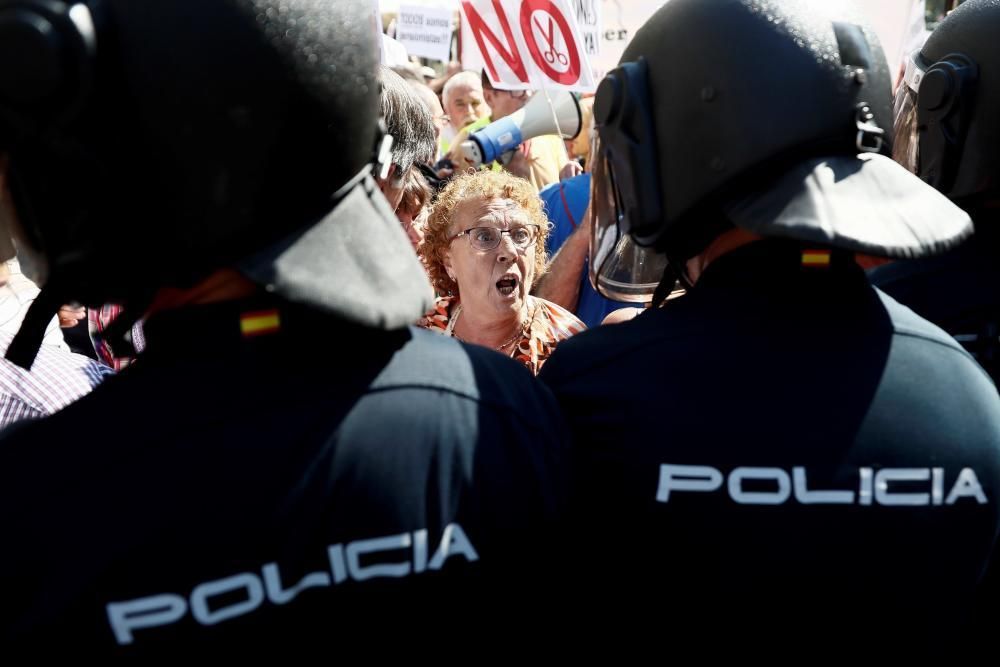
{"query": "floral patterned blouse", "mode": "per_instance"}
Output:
(549, 324)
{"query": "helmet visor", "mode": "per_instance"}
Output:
(619, 269)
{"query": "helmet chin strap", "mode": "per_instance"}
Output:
(24, 347)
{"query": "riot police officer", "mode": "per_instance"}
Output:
(947, 127)
(288, 465)
(784, 457)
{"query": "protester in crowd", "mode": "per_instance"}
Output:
(409, 124)
(579, 146)
(782, 447)
(416, 196)
(484, 246)
(433, 105)
(463, 102)
(57, 378)
(567, 280)
(281, 471)
(437, 83)
(117, 354)
(947, 131)
(538, 160)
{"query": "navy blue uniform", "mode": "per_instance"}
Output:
(958, 291)
(320, 488)
(784, 454)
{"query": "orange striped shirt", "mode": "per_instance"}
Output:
(550, 324)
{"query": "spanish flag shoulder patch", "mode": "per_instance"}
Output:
(816, 258)
(260, 322)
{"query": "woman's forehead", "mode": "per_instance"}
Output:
(493, 209)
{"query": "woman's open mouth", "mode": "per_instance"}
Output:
(507, 285)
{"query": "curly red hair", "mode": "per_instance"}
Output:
(487, 185)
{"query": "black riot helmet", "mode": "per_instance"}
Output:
(152, 142)
(948, 105)
(770, 115)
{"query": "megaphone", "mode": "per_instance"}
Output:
(537, 117)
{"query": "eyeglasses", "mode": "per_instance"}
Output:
(488, 238)
(519, 94)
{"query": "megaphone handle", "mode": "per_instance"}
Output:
(505, 158)
(469, 153)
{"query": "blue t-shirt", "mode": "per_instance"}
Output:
(565, 203)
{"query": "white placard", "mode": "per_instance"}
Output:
(425, 31)
(619, 21)
(588, 19)
(526, 44)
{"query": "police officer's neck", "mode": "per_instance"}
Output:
(724, 243)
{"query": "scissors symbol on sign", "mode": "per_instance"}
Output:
(552, 56)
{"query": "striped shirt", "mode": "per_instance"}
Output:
(17, 293)
(57, 378)
(98, 320)
(548, 324)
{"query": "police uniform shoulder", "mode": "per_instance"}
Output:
(907, 323)
(887, 275)
(603, 345)
(915, 276)
(436, 362)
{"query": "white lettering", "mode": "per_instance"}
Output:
(937, 486)
(877, 487)
(335, 552)
(245, 592)
(865, 484)
(807, 497)
(200, 595)
(279, 595)
(775, 497)
(686, 478)
(144, 613)
(419, 550)
(361, 547)
(884, 497)
(967, 485)
(454, 542)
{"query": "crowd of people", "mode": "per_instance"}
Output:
(336, 385)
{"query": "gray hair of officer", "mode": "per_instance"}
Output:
(408, 121)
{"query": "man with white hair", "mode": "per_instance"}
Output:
(464, 104)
